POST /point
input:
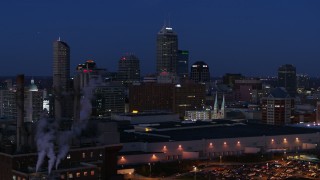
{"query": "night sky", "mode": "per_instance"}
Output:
(252, 37)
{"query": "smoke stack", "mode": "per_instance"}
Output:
(57, 97)
(20, 110)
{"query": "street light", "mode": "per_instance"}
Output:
(150, 169)
(195, 172)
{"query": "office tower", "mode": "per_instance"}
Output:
(303, 81)
(177, 98)
(287, 78)
(108, 96)
(200, 72)
(229, 78)
(243, 89)
(183, 64)
(129, 69)
(109, 99)
(85, 72)
(8, 104)
(167, 50)
(61, 76)
(277, 107)
(33, 103)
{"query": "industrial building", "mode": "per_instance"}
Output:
(195, 140)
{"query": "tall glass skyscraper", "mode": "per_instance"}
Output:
(129, 69)
(61, 76)
(200, 72)
(287, 78)
(167, 50)
(183, 64)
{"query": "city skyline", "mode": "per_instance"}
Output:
(252, 38)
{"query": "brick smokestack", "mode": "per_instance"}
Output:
(20, 110)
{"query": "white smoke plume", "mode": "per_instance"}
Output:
(63, 142)
(45, 137)
(78, 126)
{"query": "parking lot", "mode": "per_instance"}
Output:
(281, 169)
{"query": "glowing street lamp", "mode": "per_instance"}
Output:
(195, 172)
(150, 169)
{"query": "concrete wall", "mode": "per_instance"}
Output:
(141, 158)
(216, 147)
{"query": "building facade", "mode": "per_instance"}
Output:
(33, 103)
(61, 80)
(278, 107)
(129, 69)
(244, 89)
(8, 103)
(229, 79)
(303, 81)
(109, 99)
(183, 64)
(200, 72)
(176, 98)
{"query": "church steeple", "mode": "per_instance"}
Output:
(222, 110)
(218, 113)
(215, 107)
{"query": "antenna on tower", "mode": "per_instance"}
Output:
(59, 39)
(169, 20)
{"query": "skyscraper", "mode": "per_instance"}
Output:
(200, 72)
(287, 78)
(61, 76)
(129, 69)
(183, 64)
(167, 50)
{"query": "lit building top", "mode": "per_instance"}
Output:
(32, 86)
(167, 30)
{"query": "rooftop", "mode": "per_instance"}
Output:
(214, 130)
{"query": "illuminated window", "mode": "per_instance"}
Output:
(92, 173)
(78, 174)
(85, 173)
(83, 155)
(68, 157)
(70, 175)
(100, 154)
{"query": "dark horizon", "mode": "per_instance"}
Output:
(250, 37)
